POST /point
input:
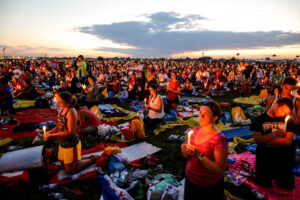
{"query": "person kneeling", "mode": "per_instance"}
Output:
(69, 149)
(275, 152)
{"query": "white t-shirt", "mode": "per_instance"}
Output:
(163, 79)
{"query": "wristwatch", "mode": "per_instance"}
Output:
(201, 157)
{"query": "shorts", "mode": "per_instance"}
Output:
(176, 101)
(69, 155)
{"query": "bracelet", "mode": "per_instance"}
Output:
(201, 157)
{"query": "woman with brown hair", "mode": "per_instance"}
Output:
(69, 151)
(206, 151)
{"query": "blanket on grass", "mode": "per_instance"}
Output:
(274, 193)
(27, 116)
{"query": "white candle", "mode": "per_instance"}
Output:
(145, 100)
(286, 121)
(189, 137)
(44, 130)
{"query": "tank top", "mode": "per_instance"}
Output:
(154, 103)
(62, 125)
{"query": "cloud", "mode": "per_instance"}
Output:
(167, 33)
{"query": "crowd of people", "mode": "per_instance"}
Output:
(147, 81)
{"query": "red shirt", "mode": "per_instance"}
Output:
(93, 120)
(116, 86)
(195, 171)
(173, 86)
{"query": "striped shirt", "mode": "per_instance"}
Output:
(195, 171)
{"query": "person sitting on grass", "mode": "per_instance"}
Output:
(275, 152)
(206, 151)
(69, 149)
(156, 109)
(187, 87)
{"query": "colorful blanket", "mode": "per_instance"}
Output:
(274, 193)
(27, 116)
(253, 100)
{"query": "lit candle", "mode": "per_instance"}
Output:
(145, 100)
(84, 86)
(44, 130)
(189, 137)
(286, 121)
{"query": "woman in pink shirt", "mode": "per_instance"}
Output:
(207, 157)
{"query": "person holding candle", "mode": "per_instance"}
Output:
(156, 109)
(69, 151)
(91, 92)
(207, 156)
(275, 153)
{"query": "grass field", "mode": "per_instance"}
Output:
(170, 157)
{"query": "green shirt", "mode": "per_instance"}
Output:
(81, 67)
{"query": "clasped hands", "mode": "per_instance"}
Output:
(190, 150)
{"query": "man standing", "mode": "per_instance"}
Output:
(81, 67)
(275, 152)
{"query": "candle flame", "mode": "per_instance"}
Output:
(44, 129)
(84, 86)
(286, 119)
(189, 136)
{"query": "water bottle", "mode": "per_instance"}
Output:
(78, 175)
(122, 137)
(14, 148)
(56, 195)
(50, 186)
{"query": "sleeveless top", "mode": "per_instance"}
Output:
(154, 103)
(62, 125)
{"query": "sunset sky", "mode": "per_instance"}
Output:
(156, 28)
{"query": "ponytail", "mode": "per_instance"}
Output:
(68, 98)
(73, 101)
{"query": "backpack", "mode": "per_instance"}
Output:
(237, 114)
(163, 187)
(227, 118)
(95, 109)
(137, 127)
